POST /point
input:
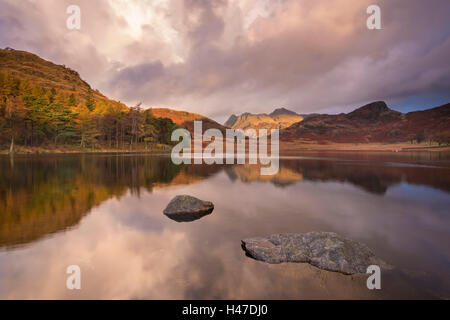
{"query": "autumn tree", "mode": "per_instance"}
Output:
(14, 119)
(72, 100)
(90, 103)
(107, 127)
(135, 120)
(61, 121)
(86, 123)
(36, 115)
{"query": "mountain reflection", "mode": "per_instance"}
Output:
(44, 195)
(372, 176)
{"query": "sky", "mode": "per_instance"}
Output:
(223, 57)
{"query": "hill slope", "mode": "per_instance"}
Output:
(186, 119)
(371, 123)
(37, 71)
(48, 107)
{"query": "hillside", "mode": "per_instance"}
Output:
(186, 119)
(279, 119)
(48, 107)
(373, 123)
(37, 71)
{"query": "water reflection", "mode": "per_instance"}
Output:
(39, 196)
(187, 217)
(127, 248)
(371, 175)
(43, 195)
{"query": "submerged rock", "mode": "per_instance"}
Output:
(325, 250)
(184, 208)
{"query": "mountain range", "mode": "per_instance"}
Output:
(42, 103)
(373, 123)
(278, 119)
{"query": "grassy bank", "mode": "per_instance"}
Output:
(67, 149)
(286, 148)
(293, 147)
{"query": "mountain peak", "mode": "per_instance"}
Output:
(373, 110)
(282, 111)
(231, 121)
(377, 107)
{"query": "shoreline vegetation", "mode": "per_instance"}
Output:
(70, 149)
(285, 148)
(291, 148)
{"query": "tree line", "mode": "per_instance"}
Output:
(34, 116)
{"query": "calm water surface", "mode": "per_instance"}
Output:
(104, 213)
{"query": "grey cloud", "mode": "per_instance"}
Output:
(305, 55)
(144, 73)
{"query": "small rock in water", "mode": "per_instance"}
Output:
(325, 250)
(184, 208)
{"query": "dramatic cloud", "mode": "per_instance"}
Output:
(218, 57)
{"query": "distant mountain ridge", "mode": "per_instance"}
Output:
(374, 122)
(278, 119)
(231, 121)
(282, 111)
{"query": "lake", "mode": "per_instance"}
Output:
(103, 212)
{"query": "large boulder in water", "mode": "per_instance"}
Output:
(184, 208)
(325, 250)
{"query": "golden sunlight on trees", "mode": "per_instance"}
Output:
(32, 115)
